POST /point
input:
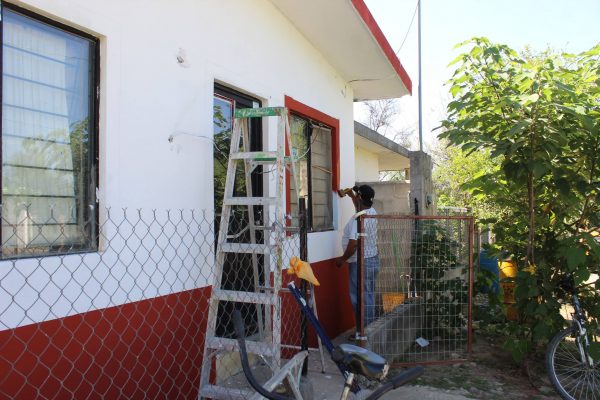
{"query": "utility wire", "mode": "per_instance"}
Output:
(409, 27)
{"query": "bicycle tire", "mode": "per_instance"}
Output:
(571, 378)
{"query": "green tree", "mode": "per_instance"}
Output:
(453, 172)
(539, 116)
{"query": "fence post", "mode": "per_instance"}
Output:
(302, 225)
(360, 306)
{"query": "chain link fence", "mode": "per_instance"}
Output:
(422, 288)
(117, 306)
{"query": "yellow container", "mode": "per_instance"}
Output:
(508, 288)
(508, 269)
(392, 300)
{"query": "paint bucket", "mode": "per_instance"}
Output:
(392, 300)
(508, 271)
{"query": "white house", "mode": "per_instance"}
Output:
(117, 104)
(411, 191)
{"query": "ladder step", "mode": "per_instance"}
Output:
(250, 201)
(258, 156)
(253, 347)
(259, 112)
(219, 392)
(243, 297)
(247, 248)
(282, 374)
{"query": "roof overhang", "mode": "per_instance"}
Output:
(346, 33)
(391, 156)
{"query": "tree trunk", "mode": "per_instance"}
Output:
(530, 259)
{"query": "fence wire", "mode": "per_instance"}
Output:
(422, 288)
(117, 306)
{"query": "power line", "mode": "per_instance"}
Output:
(409, 26)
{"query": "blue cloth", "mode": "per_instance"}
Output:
(371, 266)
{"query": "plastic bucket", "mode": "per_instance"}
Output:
(489, 264)
(392, 300)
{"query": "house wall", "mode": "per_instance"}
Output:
(366, 164)
(146, 96)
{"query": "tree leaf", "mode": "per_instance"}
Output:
(575, 257)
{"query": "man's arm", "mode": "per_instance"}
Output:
(350, 250)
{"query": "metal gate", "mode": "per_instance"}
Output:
(419, 309)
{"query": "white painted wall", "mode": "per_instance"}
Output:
(146, 96)
(367, 165)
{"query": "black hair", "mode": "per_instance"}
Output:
(367, 194)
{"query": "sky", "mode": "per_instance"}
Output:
(567, 25)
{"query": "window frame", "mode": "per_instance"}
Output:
(318, 118)
(94, 109)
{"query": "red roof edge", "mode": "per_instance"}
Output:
(366, 15)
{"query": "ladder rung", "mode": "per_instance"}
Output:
(258, 156)
(250, 201)
(243, 297)
(219, 392)
(248, 248)
(283, 373)
(253, 347)
(259, 112)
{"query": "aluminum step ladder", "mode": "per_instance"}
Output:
(267, 276)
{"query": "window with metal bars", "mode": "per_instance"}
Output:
(311, 143)
(49, 136)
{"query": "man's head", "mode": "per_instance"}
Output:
(366, 195)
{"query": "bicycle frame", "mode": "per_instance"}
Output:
(337, 355)
(578, 319)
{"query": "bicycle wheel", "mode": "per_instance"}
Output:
(572, 377)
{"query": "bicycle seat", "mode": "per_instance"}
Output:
(360, 361)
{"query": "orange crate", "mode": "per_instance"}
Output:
(392, 300)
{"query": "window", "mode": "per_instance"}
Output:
(238, 268)
(311, 143)
(49, 136)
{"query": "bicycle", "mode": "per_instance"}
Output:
(572, 359)
(351, 361)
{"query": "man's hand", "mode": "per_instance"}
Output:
(339, 262)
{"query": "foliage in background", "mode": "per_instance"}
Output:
(453, 170)
(381, 116)
(539, 117)
(433, 261)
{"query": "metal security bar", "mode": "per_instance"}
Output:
(420, 310)
(125, 316)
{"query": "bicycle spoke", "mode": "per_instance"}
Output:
(573, 377)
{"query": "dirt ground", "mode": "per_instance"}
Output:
(490, 374)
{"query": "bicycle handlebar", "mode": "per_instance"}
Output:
(397, 381)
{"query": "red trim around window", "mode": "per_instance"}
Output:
(303, 110)
(367, 17)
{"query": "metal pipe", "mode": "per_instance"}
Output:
(420, 84)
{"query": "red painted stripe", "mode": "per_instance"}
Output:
(151, 349)
(333, 305)
(367, 17)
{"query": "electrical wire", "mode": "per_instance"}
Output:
(409, 26)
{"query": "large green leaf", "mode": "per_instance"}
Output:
(575, 257)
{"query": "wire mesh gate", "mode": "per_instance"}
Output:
(118, 314)
(421, 303)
